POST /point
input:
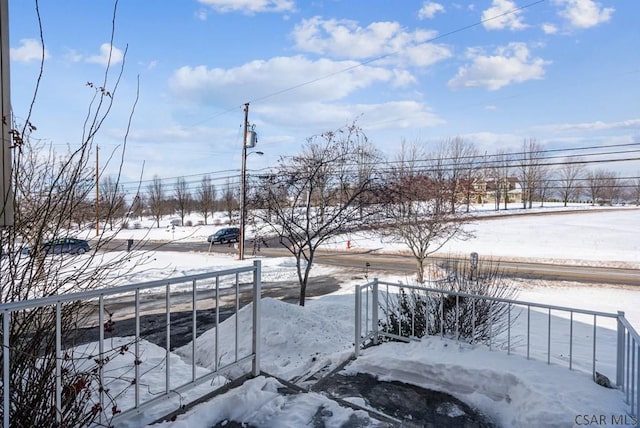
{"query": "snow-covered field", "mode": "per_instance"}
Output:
(591, 237)
(510, 389)
(597, 235)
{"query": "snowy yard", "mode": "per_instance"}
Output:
(511, 390)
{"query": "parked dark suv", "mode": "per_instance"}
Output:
(63, 245)
(228, 234)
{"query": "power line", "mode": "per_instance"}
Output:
(487, 160)
(232, 181)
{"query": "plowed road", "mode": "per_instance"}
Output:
(406, 263)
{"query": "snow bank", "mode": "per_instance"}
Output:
(511, 390)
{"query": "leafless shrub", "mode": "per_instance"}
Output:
(52, 198)
(450, 311)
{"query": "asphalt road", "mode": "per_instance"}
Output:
(381, 262)
(153, 311)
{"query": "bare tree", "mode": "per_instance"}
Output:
(50, 187)
(604, 186)
(85, 210)
(612, 188)
(470, 174)
(418, 208)
(183, 198)
(500, 174)
(635, 190)
(315, 195)
(595, 185)
(229, 200)
(530, 170)
(156, 199)
(206, 197)
(112, 202)
(137, 206)
(545, 184)
(570, 175)
(457, 155)
(493, 173)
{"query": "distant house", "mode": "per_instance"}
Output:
(486, 190)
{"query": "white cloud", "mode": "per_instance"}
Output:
(398, 114)
(346, 39)
(377, 116)
(493, 142)
(170, 133)
(591, 126)
(201, 14)
(510, 64)
(109, 55)
(335, 80)
(71, 55)
(319, 105)
(29, 50)
(250, 6)
(549, 28)
(425, 54)
(429, 10)
(584, 13)
(503, 14)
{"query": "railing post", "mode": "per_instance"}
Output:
(194, 327)
(634, 380)
(58, 372)
(571, 341)
(549, 340)
(358, 326)
(137, 350)
(374, 310)
(257, 291)
(509, 329)
(167, 372)
(101, 323)
(457, 317)
(529, 331)
(595, 332)
(441, 314)
(620, 345)
(6, 374)
(637, 368)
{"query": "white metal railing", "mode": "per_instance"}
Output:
(628, 368)
(586, 350)
(224, 284)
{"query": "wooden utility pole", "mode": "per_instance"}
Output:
(6, 192)
(243, 190)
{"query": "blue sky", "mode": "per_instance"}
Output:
(565, 72)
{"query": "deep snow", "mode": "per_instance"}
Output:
(513, 391)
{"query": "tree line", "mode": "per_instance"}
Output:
(529, 176)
